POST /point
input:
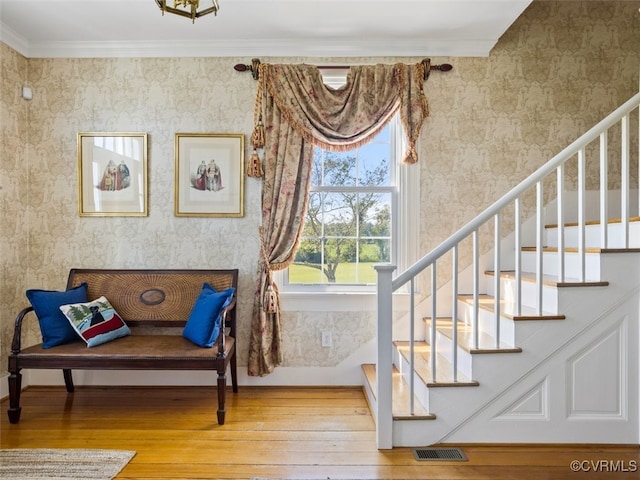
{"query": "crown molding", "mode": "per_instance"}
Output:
(14, 40)
(235, 48)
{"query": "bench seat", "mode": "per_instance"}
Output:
(135, 352)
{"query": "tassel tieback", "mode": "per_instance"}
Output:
(254, 168)
(270, 300)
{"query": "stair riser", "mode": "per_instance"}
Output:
(529, 294)
(444, 346)
(592, 236)
(571, 264)
(371, 397)
(487, 322)
(421, 391)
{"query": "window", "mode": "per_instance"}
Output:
(356, 218)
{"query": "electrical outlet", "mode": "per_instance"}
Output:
(326, 339)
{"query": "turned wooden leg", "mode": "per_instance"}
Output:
(15, 387)
(68, 380)
(222, 385)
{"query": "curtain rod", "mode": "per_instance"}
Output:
(255, 63)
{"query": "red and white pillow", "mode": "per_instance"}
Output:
(96, 322)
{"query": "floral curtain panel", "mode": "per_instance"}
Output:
(301, 112)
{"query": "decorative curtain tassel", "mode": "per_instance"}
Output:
(270, 300)
(411, 156)
(254, 169)
(257, 137)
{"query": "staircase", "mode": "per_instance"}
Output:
(536, 338)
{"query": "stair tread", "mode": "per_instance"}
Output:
(593, 222)
(586, 250)
(485, 302)
(422, 365)
(550, 280)
(486, 343)
(401, 409)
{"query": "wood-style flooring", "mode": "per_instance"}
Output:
(273, 433)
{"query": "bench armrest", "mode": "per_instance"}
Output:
(17, 331)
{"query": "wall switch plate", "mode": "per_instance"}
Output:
(27, 93)
(326, 339)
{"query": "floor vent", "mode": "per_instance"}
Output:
(439, 454)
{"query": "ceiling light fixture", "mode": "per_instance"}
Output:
(188, 8)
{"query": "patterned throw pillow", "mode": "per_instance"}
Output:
(96, 322)
(203, 326)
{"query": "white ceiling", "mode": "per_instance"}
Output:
(254, 28)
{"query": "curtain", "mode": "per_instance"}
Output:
(301, 112)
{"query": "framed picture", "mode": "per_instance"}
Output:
(112, 174)
(209, 176)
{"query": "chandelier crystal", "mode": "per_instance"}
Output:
(188, 8)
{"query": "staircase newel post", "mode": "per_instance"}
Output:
(384, 361)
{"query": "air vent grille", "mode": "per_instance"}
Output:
(439, 454)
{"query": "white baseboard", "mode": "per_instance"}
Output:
(4, 386)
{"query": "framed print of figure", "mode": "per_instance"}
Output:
(209, 179)
(112, 174)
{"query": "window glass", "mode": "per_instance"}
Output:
(349, 222)
(373, 164)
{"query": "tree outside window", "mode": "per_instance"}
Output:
(348, 225)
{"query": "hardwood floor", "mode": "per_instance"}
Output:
(294, 433)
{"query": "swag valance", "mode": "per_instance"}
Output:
(350, 116)
(294, 112)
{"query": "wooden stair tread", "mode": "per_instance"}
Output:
(485, 302)
(486, 343)
(593, 222)
(586, 250)
(400, 395)
(549, 280)
(422, 365)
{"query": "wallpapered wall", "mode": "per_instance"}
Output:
(14, 252)
(558, 70)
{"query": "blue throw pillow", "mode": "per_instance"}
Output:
(203, 326)
(54, 326)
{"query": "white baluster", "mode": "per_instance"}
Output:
(454, 312)
(518, 259)
(476, 290)
(539, 244)
(625, 172)
(496, 278)
(604, 190)
(560, 207)
(581, 214)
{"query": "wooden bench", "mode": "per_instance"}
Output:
(143, 298)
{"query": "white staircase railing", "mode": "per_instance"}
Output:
(387, 284)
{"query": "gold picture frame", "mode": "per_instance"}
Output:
(209, 174)
(112, 174)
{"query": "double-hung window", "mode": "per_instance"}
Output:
(357, 217)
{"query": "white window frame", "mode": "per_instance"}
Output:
(405, 243)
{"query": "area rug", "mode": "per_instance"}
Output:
(62, 464)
